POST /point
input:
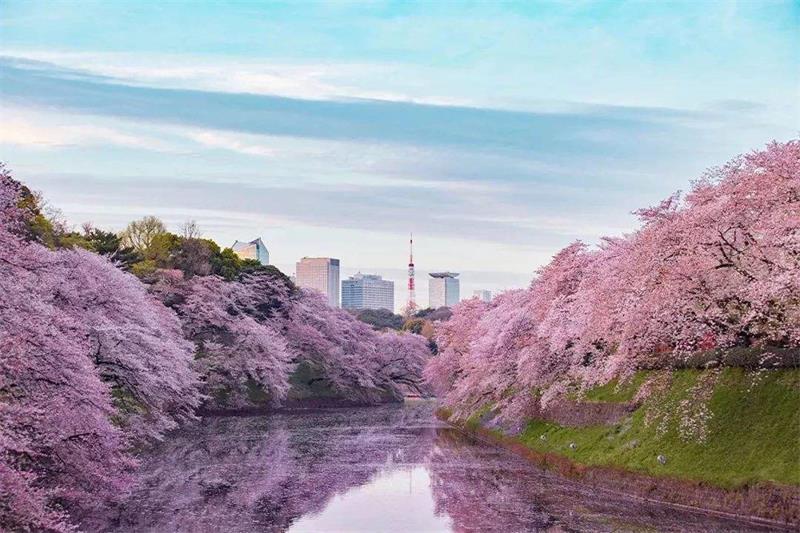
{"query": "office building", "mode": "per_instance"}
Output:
(483, 295)
(322, 274)
(443, 289)
(252, 250)
(367, 291)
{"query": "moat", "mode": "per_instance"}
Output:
(392, 468)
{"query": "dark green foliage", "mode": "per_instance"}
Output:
(433, 315)
(225, 263)
(42, 224)
(109, 244)
(163, 249)
(308, 381)
(256, 393)
(158, 248)
(380, 318)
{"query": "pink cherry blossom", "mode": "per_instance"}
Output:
(713, 269)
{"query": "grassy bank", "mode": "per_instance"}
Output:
(750, 430)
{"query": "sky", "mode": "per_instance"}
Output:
(498, 132)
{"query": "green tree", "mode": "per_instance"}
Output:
(225, 263)
(380, 318)
(140, 234)
(163, 249)
(108, 244)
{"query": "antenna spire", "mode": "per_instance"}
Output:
(411, 306)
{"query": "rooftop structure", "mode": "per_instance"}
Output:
(444, 274)
(255, 249)
(443, 289)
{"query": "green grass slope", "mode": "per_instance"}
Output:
(752, 430)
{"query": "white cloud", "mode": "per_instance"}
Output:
(240, 143)
(36, 130)
(321, 163)
(316, 81)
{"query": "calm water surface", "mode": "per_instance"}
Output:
(375, 469)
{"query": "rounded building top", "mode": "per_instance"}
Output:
(443, 274)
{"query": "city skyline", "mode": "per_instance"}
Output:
(257, 249)
(340, 147)
(470, 281)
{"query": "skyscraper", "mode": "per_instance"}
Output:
(483, 295)
(367, 291)
(322, 274)
(252, 250)
(443, 289)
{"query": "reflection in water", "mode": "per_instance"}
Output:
(375, 469)
(396, 499)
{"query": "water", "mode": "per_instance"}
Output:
(375, 469)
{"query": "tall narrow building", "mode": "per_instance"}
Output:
(443, 289)
(321, 274)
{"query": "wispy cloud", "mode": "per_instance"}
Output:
(314, 81)
(504, 176)
(243, 144)
(589, 129)
(34, 130)
(497, 132)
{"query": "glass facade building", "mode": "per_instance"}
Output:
(322, 274)
(252, 250)
(367, 291)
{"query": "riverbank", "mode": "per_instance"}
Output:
(723, 440)
(384, 468)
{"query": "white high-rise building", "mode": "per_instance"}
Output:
(322, 274)
(443, 289)
(483, 295)
(367, 291)
(252, 250)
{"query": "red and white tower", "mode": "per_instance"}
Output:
(411, 306)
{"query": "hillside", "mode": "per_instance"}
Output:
(724, 439)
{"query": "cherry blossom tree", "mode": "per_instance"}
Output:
(93, 363)
(90, 364)
(240, 352)
(352, 360)
(713, 269)
(454, 338)
(401, 358)
(260, 341)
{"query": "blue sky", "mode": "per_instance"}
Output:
(497, 132)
